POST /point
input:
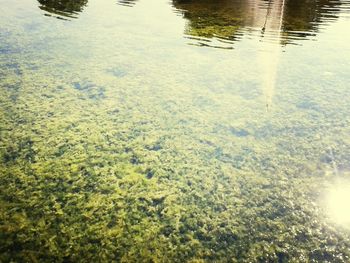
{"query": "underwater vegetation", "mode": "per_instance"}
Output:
(106, 178)
(108, 155)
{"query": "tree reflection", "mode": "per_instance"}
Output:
(230, 19)
(129, 3)
(63, 9)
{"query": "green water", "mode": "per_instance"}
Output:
(174, 131)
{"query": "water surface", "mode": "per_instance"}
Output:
(174, 131)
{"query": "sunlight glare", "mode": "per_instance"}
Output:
(338, 203)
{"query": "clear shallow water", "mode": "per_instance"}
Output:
(174, 131)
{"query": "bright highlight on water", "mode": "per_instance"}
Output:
(338, 204)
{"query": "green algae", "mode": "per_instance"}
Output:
(117, 158)
(76, 187)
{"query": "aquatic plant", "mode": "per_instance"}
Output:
(108, 157)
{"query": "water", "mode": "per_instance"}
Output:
(174, 131)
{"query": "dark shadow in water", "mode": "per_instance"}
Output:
(129, 3)
(62, 9)
(229, 20)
